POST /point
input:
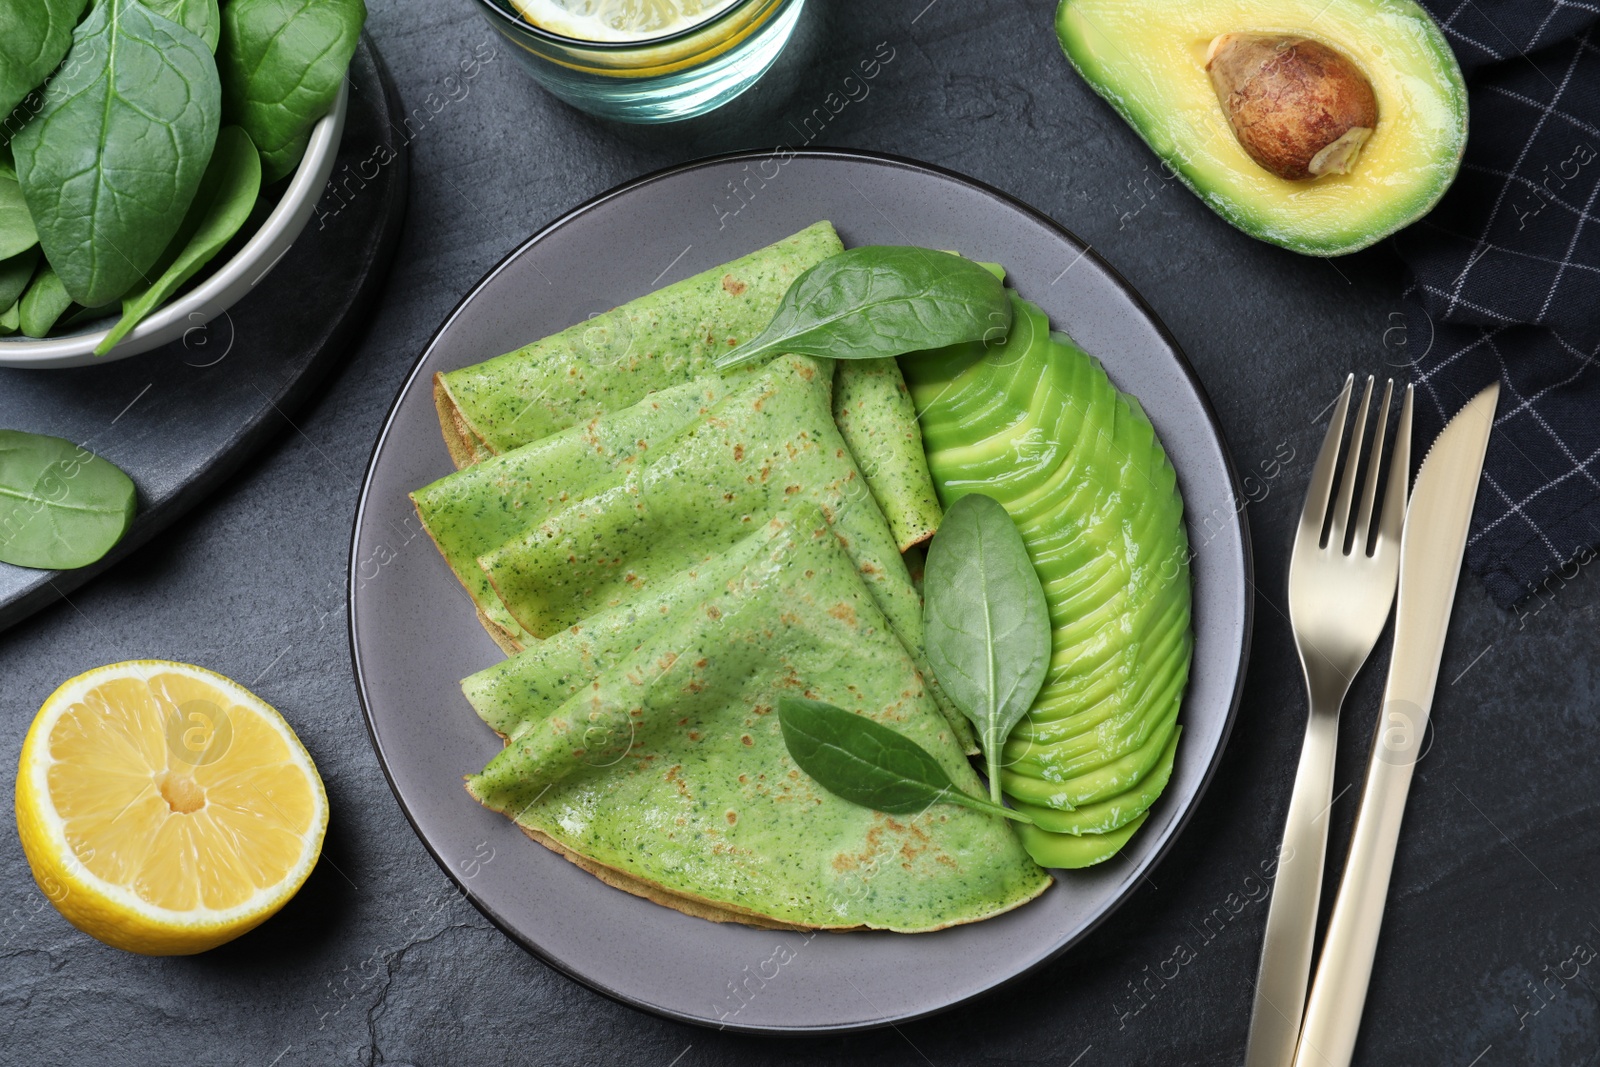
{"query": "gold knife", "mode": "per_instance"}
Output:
(1431, 548)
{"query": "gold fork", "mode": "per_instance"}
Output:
(1341, 587)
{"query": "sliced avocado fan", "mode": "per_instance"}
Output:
(1036, 424)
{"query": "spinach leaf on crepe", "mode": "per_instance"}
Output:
(882, 300)
(869, 764)
(60, 505)
(987, 626)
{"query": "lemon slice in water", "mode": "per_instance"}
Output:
(618, 20)
(166, 809)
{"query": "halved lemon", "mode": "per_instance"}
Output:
(617, 20)
(164, 808)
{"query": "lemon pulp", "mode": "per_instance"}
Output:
(164, 808)
(618, 20)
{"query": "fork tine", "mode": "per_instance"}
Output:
(1395, 496)
(1352, 464)
(1316, 506)
(1363, 540)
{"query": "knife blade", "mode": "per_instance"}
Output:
(1431, 549)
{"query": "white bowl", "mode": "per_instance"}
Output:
(224, 284)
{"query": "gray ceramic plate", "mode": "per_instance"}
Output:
(414, 634)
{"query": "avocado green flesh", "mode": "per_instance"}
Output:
(1073, 851)
(1102, 817)
(1147, 60)
(1036, 424)
(771, 444)
(481, 507)
(668, 763)
(872, 408)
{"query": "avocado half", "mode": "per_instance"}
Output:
(1147, 58)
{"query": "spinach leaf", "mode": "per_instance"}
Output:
(61, 506)
(869, 764)
(882, 300)
(15, 274)
(200, 17)
(44, 302)
(34, 35)
(11, 319)
(987, 627)
(282, 62)
(109, 164)
(224, 201)
(17, 233)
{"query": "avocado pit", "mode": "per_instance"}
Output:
(1298, 107)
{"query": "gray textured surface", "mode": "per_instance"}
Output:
(379, 960)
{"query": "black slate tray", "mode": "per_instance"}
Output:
(182, 418)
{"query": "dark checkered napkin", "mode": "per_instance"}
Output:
(1505, 282)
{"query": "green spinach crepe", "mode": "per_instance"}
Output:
(670, 337)
(772, 444)
(613, 360)
(481, 507)
(644, 745)
(873, 408)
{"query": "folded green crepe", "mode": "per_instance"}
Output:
(666, 771)
(873, 408)
(522, 689)
(479, 508)
(613, 360)
(669, 337)
(771, 444)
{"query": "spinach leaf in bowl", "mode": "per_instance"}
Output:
(282, 62)
(33, 37)
(61, 506)
(15, 274)
(111, 161)
(223, 204)
(45, 301)
(17, 233)
(200, 17)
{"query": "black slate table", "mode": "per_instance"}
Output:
(1490, 943)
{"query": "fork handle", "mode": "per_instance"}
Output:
(1285, 970)
(1333, 1014)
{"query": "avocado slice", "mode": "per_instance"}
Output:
(1072, 850)
(1150, 61)
(1036, 424)
(1104, 816)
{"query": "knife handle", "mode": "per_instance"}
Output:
(1285, 970)
(1333, 1013)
